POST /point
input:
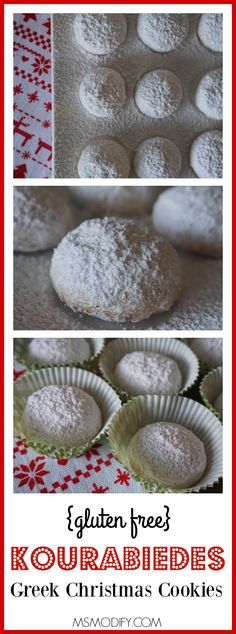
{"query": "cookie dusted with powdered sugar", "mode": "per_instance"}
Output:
(100, 33)
(167, 453)
(58, 351)
(117, 270)
(191, 218)
(162, 32)
(42, 216)
(62, 416)
(148, 373)
(104, 158)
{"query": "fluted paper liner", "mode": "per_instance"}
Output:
(143, 410)
(106, 398)
(21, 350)
(211, 387)
(174, 348)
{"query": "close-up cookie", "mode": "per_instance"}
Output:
(104, 158)
(208, 350)
(100, 33)
(157, 158)
(148, 373)
(209, 94)
(102, 92)
(158, 94)
(56, 351)
(42, 216)
(61, 416)
(191, 218)
(162, 32)
(210, 31)
(117, 270)
(206, 154)
(167, 453)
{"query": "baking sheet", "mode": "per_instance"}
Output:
(37, 307)
(74, 127)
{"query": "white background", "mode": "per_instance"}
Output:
(36, 520)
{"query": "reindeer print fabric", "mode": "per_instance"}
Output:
(32, 115)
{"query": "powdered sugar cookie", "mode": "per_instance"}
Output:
(100, 33)
(167, 453)
(162, 32)
(148, 373)
(117, 270)
(191, 217)
(104, 158)
(61, 416)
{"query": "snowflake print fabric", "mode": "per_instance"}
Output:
(32, 116)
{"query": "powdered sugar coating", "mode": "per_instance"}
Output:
(42, 217)
(55, 351)
(210, 31)
(158, 94)
(167, 453)
(157, 158)
(208, 350)
(162, 32)
(218, 404)
(62, 416)
(191, 217)
(116, 269)
(206, 155)
(100, 33)
(104, 158)
(102, 92)
(120, 200)
(209, 94)
(148, 373)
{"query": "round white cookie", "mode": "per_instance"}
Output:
(104, 158)
(162, 32)
(191, 218)
(61, 416)
(100, 33)
(208, 350)
(42, 217)
(158, 94)
(209, 94)
(206, 155)
(102, 92)
(120, 200)
(210, 31)
(218, 404)
(58, 351)
(157, 157)
(168, 454)
(117, 270)
(147, 373)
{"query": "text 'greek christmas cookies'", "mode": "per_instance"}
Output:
(117, 270)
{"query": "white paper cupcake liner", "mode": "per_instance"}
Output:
(21, 350)
(174, 348)
(106, 398)
(143, 410)
(211, 387)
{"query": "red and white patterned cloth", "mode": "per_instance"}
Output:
(32, 115)
(97, 471)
